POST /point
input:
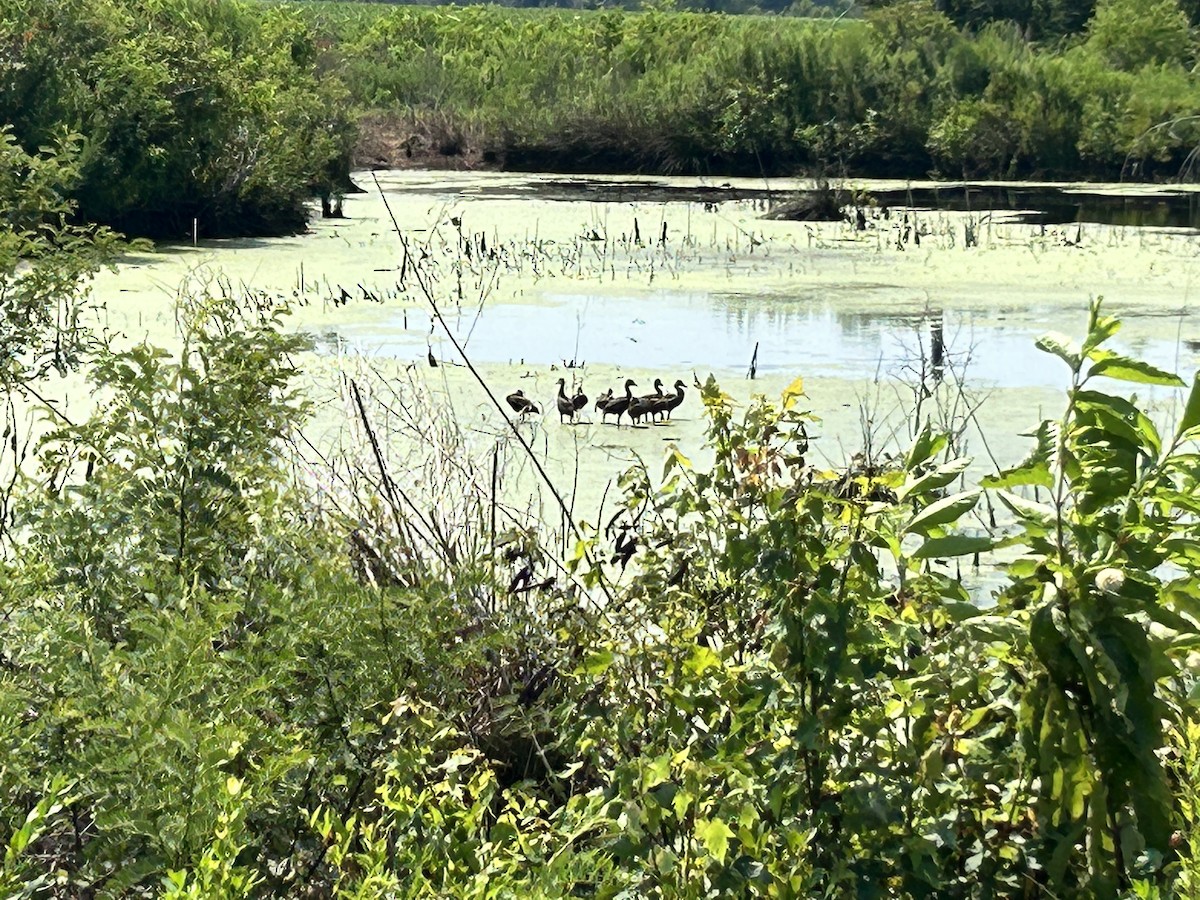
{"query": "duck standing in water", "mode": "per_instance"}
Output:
(618, 405)
(639, 407)
(602, 403)
(579, 401)
(521, 404)
(657, 400)
(647, 404)
(566, 405)
(672, 402)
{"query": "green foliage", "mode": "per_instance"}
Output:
(186, 110)
(1131, 34)
(217, 875)
(44, 262)
(18, 877)
(895, 93)
(1185, 765)
(977, 134)
(788, 692)
(208, 423)
(1101, 590)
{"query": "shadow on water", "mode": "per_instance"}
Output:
(1045, 205)
(1033, 204)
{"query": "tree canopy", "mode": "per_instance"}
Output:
(187, 110)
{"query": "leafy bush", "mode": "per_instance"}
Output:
(215, 684)
(212, 111)
(896, 93)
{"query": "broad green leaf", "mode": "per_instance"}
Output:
(996, 629)
(1050, 636)
(1035, 468)
(598, 662)
(1063, 346)
(675, 458)
(701, 660)
(682, 802)
(714, 835)
(458, 760)
(792, 393)
(927, 446)
(1183, 551)
(1168, 618)
(952, 545)
(1100, 329)
(1119, 417)
(1183, 596)
(1191, 412)
(656, 772)
(945, 511)
(938, 478)
(1030, 510)
(1123, 368)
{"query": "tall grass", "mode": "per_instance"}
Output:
(902, 92)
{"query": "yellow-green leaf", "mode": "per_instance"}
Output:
(792, 393)
(714, 835)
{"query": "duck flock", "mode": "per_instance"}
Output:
(656, 407)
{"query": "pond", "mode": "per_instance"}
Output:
(597, 280)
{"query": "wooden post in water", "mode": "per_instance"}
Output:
(753, 363)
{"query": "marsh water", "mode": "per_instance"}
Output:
(1034, 204)
(599, 280)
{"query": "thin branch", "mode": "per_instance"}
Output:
(545, 477)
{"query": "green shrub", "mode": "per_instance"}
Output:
(206, 111)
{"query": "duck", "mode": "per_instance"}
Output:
(640, 407)
(566, 405)
(618, 405)
(602, 403)
(521, 404)
(579, 401)
(671, 402)
(655, 400)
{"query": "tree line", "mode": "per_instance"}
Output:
(227, 117)
(902, 92)
(190, 115)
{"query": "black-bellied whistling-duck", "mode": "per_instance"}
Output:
(521, 404)
(566, 406)
(672, 402)
(602, 403)
(618, 405)
(656, 400)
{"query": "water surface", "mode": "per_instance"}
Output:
(804, 332)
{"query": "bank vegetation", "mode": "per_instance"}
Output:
(227, 117)
(233, 667)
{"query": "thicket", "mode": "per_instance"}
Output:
(228, 669)
(206, 113)
(903, 92)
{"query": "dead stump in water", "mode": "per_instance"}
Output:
(823, 203)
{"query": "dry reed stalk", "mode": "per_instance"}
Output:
(423, 283)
